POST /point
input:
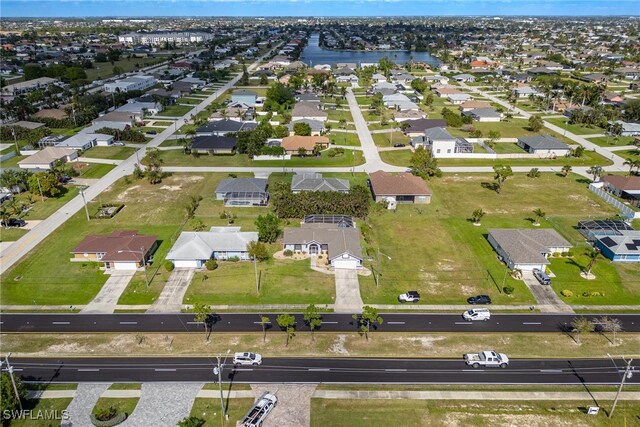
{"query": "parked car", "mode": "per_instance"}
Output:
(152, 132)
(64, 178)
(119, 144)
(398, 145)
(487, 358)
(479, 299)
(410, 296)
(477, 314)
(13, 222)
(541, 276)
(247, 359)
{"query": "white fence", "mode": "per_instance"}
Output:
(270, 157)
(626, 210)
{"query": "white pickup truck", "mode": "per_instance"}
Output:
(257, 414)
(487, 358)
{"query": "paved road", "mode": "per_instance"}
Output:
(247, 322)
(324, 370)
(22, 246)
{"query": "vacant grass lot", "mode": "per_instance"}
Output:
(209, 410)
(103, 70)
(95, 170)
(339, 115)
(575, 129)
(450, 257)
(43, 209)
(178, 158)
(446, 413)
(609, 141)
(113, 152)
(506, 147)
(344, 138)
(387, 139)
(175, 111)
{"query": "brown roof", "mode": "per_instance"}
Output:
(293, 143)
(472, 103)
(51, 113)
(448, 91)
(623, 182)
(402, 184)
(120, 245)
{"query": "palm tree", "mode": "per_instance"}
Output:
(596, 171)
(592, 255)
(632, 164)
(477, 216)
(539, 213)
(566, 169)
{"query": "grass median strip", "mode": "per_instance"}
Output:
(450, 345)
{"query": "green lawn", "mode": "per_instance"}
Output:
(41, 406)
(508, 129)
(209, 410)
(387, 139)
(113, 152)
(96, 170)
(575, 129)
(12, 162)
(178, 158)
(175, 111)
(103, 70)
(344, 138)
(629, 154)
(441, 413)
(46, 276)
(281, 282)
(42, 210)
(507, 147)
(462, 263)
(188, 101)
(126, 405)
(339, 114)
(161, 123)
(12, 234)
(609, 141)
(403, 157)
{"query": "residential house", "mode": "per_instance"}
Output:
(597, 78)
(292, 144)
(114, 120)
(317, 126)
(625, 187)
(138, 82)
(194, 248)
(308, 110)
(223, 127)
(307, 97)
(484, 114)
(377, 78)
(629, 128)
(315, 182)
(466, 78)
(9, 92)
(399, 102)
(627, 73)
(341, 244)
(458, 98)
(239, 114)
(544, 145)
(247, 97)
(417, 127)
(84, 141)
(399, 188)
(524, 91)
(139, 110)
(472, 104)
(243, 192)
(437, 79)
(526, 249)
(47, 157)
(408, 115)
(214, 144)
(120, 250)
(444, 92)
(624, 247)
(436, 138)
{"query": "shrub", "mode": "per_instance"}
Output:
(508, 290)
(233, 259)
(596, 294)
(114, 421)
(168, 265)
(566, 293)
(211, 264)
(569, 253)
(586, 294)
(287, 252)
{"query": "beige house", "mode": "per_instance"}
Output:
(47, 157)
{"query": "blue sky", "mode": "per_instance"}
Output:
(83, 8)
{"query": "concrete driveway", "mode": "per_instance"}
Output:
(546, 297)
(107, 298)
(170, 299)
(348, 299)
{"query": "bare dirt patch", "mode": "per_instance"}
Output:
(338, 345)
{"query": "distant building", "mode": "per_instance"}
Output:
(161, 37)
(140, 82)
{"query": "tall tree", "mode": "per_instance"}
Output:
(477, 215)
(535, 123)
(368, 317)
(581, 325)
(312, 318)
(264, 320)
(596, 171)
(423, 164)
(287, 323)
(268, 227)
(258, 250)
(610, 324)
(502, 173)
(201, 315)
(539, 214)
(154, 168)
(592, 255)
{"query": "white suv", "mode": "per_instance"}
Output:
(247, 359)
(477, 314)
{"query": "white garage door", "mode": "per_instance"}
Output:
(187, 264)
(125, 266)
(346, 263)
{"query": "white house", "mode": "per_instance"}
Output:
(544, 145)
(342, 245)
(526, 249)
(139, 82)
(194, 248)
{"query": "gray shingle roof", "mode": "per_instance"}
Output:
(438, 134)
(338, 240)
(544, 142)
(315, 182)
(200, 245)
(527, 246)
(242, 185)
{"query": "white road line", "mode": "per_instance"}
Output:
(473, 370)
(128, 323)
(194, 323)
(60, 323)
(17, 370)
(165, 369)
(531, 323)
(395, 370)
(260, 323)
(332, 323)
(395, 323)
(319, 369)
(464, 323)
(243, 369)
(88, 370)
(550, 370)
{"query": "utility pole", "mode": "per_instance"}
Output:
(144, 265)
(255, 268)
(627, 374)
(39, 188)
(86, 210)
(13, 380)
(218, 371)
(15, 140)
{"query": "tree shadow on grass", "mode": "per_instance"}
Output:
(490, 186)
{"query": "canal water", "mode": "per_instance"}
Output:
(313, 54)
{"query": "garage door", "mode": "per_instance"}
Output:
(187, 264)
(124, 266)
(346, 263)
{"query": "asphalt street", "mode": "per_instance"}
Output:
(325, 370)
(247, 322)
